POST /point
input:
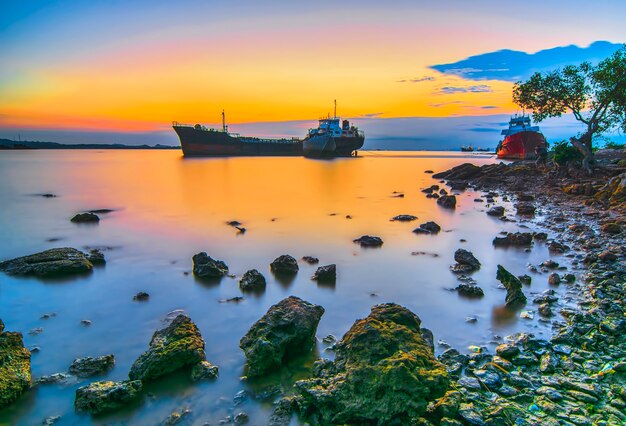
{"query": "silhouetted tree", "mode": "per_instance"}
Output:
(596, 95)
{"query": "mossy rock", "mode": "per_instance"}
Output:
(15, 377)
(178, 345)
(105, 396)
(50, 263)
(384, 373)
(515, 297)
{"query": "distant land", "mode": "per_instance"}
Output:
(8, 144)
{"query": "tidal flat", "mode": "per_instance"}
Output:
(157, 210)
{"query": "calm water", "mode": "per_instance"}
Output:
(168, 209)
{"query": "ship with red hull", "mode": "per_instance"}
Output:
(521, 140)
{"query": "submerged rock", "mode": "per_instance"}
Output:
(204, 266)
(15, 377)
(447, 201)
(384, 373)
(142, 296)
(85, 218)
(326, 273)
(496, 211)
(515, 297)
(470, 290)
(369, 241)
(428, 228)
(89, 366)
(101, 397)
(204, 370)
(49, 263)
(403, 218)
(96, 257)
(284, 264)
(310, 260)
(252, 280)
(286, 330)
(520, 239)
(178, 345)
(466, 258)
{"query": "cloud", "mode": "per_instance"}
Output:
(417, 80)
(513, 65)
(452, 90)
(371, 115)
(441, 104)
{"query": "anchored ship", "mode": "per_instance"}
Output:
(199, 141)
(330, 139)
(521, 140)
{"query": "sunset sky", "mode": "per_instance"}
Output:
(133, 67)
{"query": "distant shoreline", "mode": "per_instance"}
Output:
(11, 145)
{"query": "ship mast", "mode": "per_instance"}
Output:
(224, 128)
(335, 108)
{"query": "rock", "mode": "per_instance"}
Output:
(548, 363)
(428, 228)
(234, 223)
(556, 247)
(204, 370)
(611, 228)
(569, 278)
(85, 322)
(96, 257)
(310, 260)
(176, 417)
(241, 418)
(525, 209)
(465, 257)
(15, 377)
(369, 241)
(101, 397)
(469, 290)
(497, 211)
(252, 281)
(50, 420)
(235, 299)
(447, 201)
(403, 218)
(384, 373)
(54, 378)
(554, 279)
(89, 366)
(326, 273)
(286, 330)
(50, 263)
(178, 345)
(507, 350)
(464, 171)
(283, 411)
(519, 239)
(204, 266)
(284, 264)
(525, 279)
(489, 378)
(85, 218)
(141, 296)
(514, 295)
(607, 256)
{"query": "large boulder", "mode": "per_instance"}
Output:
(284, 264)
(447, 201)
(90, 366)
(428, 228)
(518, 239)
(286, 330)
(384, 372)
(327, 273)
(515, 297)
(15, 376)
(204, 266)
(465, 261)
(178, 345)
(252, 281)
(49, 263)
(369, 241)
(101, 397)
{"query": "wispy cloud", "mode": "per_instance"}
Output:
(416, 80)
(371, 115)
(442, 104)
(488, 107)
(513, 65)
(452, 90)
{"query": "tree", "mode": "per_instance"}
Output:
(595, 95)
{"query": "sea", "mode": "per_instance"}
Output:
(166, 208)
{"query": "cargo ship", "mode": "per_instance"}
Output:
(521, 140)
(330, 139)
(199, 141)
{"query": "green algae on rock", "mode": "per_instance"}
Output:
(384, 373)
(15, 376)
(178, 345)
(101, 397)
(49, 263)
(514, 295)
(286, 330)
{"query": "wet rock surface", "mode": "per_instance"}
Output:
(284, 264)
(515, 297)
(15, 376)
(85, 218)
(285, 331)
(90, 366)
(204, 266)
(369, 241)
(178, 345)
(252, 281)
(327, 273)
(384, 373)
(447, 201)
(105, 396)
(50, 263)
(428, 228)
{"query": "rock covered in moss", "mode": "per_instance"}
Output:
(15, 376)
(178, 345)
(252, 280)
(204, 266)
(286, 330)
(101, 397)
(49, 263)
(204, 370)
(96, 257)
(384, 372)
(284, 264)
(515, 297)
(90, 366)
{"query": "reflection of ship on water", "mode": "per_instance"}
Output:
(331, 140)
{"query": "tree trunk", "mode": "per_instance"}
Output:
(583, 144)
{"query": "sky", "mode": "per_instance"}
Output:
(119, 71)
